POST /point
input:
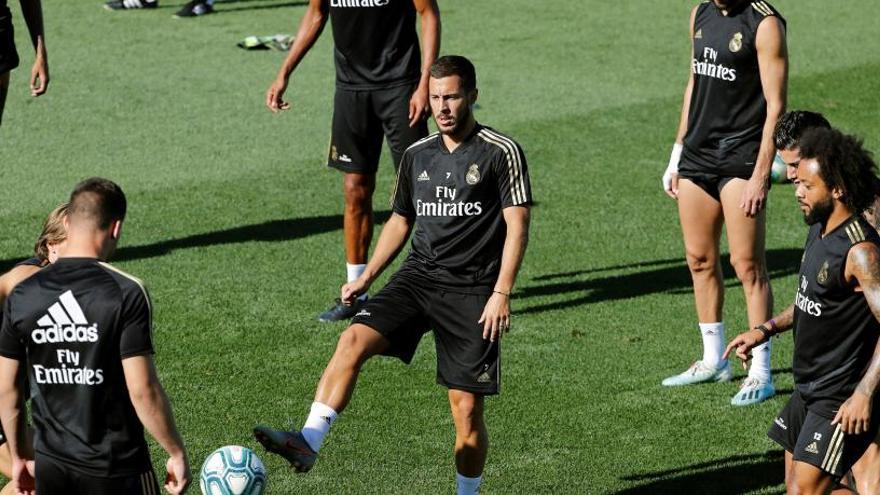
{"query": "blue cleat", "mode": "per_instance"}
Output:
(753, 391)
(698, 373)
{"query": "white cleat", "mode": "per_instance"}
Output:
(698, 373)
(753, 391)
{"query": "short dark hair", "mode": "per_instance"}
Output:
(844, 164)
(455, 65)
(97, 200)
(792, 125)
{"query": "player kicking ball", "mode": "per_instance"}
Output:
(832, 416)
(465, 191)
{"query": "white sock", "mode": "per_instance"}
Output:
(355, 271)
(318, 424)
(467, 486)
(713, 343)
(760, 367)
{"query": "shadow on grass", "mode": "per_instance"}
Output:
(727, 476)
(272, 231)
(225, 6)
(672, 277)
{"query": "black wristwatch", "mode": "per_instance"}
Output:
(765, 331)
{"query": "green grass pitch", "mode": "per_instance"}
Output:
(235, 225)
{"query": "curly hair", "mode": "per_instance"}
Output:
(792, 125)
(844, 164)
(53, 232)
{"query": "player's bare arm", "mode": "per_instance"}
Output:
(154, 411)
(773, 67)
(429, 19)
(670, 176)
(33, 16)
(13, 415)
(310, 28)
(863, 269)
(391, 241)
(496, 314)
(744, 342)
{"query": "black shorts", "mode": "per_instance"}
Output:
(8, 55)
(361, 118)
(811, 438)
(55, 477)
(407, 308)
(711, 183)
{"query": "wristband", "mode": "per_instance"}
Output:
(502, 293)
(674, 158)
(773, 327)
(764, 331)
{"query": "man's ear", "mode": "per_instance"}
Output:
(116, 229)
(837, 193)
(473, 94)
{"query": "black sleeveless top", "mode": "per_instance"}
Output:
(376, 45)
(727, 108)
(834, 329)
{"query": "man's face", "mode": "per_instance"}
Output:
(791, 157)
(450, 104)
(813, 196)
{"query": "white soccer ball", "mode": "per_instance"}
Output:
(233, 470)
(778, 171)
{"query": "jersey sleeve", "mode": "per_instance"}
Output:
(401, 202)
(512, 175)
(11, 346)
(136, 324)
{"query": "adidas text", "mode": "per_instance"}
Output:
(70, 333)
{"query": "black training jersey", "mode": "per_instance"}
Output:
(834, 329)
(376, 45)
(456, 200)
(71, 324)
(727, 108)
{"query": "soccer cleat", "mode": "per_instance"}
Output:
(195, 8)
(698, 373)
(339, 311)
(753, 391)
(131, 4)
(290, 445)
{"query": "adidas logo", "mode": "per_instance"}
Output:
(423, 176)
(699, 34)
(484, 378)
(64, 322)
(363, 312)
(813, 448)
(780, 423)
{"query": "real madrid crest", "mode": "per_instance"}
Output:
(822, 276)
(473, 174)
(736, 43)
(334, 155)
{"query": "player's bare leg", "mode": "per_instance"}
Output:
(356, 344)
(807, 479)
(867, 470)
(701, 220)
(4, 89)
(471, 439)
(746, 238)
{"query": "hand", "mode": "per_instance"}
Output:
(352, 290)
(496, 317)
(23, 476)
(275, 93)
(39, 74)
(178, 478)
(754, 196)
(743, 343)
(670, 183)
(854, 415)
(418, 106)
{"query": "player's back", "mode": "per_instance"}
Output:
(76, 320)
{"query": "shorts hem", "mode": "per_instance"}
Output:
(352, 169)
(494, 390)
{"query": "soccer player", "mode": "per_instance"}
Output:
(82, 330)
(466, 192)
(789, 129)
(381, 88)
(45, 251)
(719, 171)
(33, 17)
(833, 414)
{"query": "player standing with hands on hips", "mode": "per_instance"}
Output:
(82, 329)
(719, 171)
(381, 89)
(466, 193)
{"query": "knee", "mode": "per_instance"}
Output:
(701, 263)
(358, 189)
(352, 348)
(748, 271)
(467, 408)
